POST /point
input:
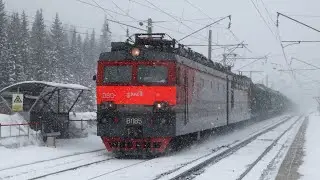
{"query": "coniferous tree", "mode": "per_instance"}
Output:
(73, 58)
(94, 52)
(38, 52)
(3, 47)
(80, 62)
(57, 50)
(105, 38)
(15, 62)
(25, 50)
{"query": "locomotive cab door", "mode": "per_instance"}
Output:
(186, 96)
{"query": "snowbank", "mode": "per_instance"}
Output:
(82, 124)
(17, 135)
(310, 166)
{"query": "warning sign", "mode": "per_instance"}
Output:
(17, 102)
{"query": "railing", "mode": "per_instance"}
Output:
(82, 122)
(18, 130)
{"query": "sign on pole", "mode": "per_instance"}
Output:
(17, 102)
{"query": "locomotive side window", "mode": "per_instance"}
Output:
(152, 74)
(117, 74)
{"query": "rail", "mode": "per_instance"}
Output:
(18, 130)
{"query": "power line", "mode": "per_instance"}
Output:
(261, 16)
(300, 41)
(284, 70)
(303, 15)
(299, 22)
(268, 12)
(90, 4)
(206, 26)
(170, 15)
(305, 63)
(114, 21)
(233, 34)
(62, 29)
(220, 45)
(252, 62)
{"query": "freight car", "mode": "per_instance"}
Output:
(154, 90)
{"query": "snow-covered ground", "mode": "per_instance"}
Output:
(71, 153)
(309, 169)
(150, 169)
(17, 135)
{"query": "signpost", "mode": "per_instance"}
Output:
(17, 102)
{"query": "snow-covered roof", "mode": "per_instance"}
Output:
(52, 84)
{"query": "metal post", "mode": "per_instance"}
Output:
(128, 32)
(58, 101)
(29, 131)
(267, 81)
(224, 60)
(19, 129)
(210, 44)
(149, 26)
(0, 130)
(10, 131)
(250, 74)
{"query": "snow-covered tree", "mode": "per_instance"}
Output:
(40, 63)
(74, 57)
(105, 38)
(15, 59)
(58, 50)
(3, 47)
(25, 50)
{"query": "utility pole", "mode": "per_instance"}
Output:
(224, 60)
(149, 26)
(267, 80)
(210, 44)
(127, 32)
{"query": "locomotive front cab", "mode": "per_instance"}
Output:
(135, 104)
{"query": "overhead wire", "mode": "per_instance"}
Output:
(267, 10)
(232, 33)
(262, 17)
(114, 21)
(258, 59)
(317, 67)
(62, 29)
(170, 15)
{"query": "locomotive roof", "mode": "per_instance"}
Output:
(156, 47)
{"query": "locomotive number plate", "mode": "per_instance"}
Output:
(133, 121)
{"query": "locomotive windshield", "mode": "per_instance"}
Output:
(152, 74)
(117, 74)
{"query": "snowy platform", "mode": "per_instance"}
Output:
(302, 159)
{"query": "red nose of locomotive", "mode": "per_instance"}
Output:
(138, 95)
(136, 101)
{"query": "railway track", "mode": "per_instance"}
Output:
(128, 171)
(40, 169)
(64, 168)
(189, 171)
(52, 159)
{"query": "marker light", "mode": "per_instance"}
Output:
(109, 105)
(135, 52)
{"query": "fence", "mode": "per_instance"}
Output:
(83, 123)
(18, 130)
(24, 129)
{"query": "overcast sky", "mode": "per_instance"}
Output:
(247, 25)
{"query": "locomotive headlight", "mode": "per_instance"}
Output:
(135, 52)
(160, 106)
(104, 120)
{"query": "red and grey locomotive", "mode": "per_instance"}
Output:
(154, 90)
